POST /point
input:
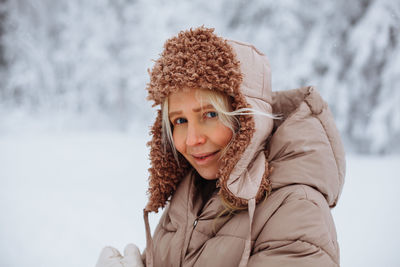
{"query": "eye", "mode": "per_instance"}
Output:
(180, 121)
(211, 114)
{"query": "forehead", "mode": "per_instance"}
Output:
(186, 97)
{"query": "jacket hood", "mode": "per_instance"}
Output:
(240, 71)
(246, 177)
(305, 147)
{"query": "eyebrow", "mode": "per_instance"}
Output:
(195, 110)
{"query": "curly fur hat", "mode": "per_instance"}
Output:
(196, 58)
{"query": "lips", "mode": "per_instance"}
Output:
(204, 155)
(204, 158)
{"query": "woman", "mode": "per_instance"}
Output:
(240, 188)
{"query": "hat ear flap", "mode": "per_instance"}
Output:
(165, 173)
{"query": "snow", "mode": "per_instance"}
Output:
(65, 195)
(367, 216)
(74, 122)
(92, 56)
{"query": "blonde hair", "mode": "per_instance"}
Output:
(222, 104)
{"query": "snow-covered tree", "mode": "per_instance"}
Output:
(91, 57)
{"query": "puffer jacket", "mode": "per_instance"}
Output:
(292, 225)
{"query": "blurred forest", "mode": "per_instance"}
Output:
(89, 59)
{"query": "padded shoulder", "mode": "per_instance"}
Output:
(300, 229)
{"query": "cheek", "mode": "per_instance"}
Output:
(179, 140)
(224, 135)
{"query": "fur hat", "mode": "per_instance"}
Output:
(196, 58)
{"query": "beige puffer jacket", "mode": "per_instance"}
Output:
(293, 226)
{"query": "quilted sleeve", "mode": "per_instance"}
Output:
(300, 233)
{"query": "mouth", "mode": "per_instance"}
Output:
(205, 158)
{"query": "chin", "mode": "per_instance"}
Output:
(208, 175)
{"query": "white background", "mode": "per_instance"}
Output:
(63, 196)
(74, 120)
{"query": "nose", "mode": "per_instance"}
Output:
(195, 135)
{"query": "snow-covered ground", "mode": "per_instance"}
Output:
(63, 196)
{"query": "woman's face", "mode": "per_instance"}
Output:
(198, 134)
